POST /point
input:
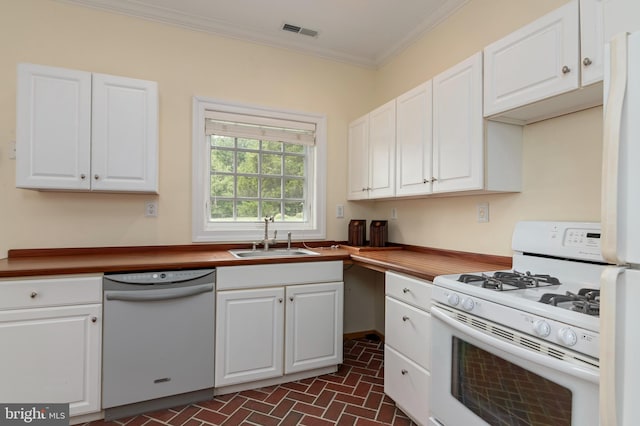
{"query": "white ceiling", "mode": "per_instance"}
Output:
(362, 32)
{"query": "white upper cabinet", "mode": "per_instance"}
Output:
(591, 41)
(526, 72)
(414, 125)
(124, 150)
(371, 146)
(358, 147)
(82, 131)
(458, 154)
(537, 61)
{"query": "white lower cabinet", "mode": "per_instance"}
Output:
(51, 353)
(407, 351)
(275, 330)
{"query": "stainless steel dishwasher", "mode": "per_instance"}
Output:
(158, 340)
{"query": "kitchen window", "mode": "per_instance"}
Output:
(252, 162)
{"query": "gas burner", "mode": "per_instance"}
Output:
(503, 281)
(587, 301)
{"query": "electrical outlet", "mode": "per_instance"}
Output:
(394, 213)
(151, 208)
(339, 211)
(482, 210)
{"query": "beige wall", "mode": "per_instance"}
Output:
(561, 156)
(184, 63)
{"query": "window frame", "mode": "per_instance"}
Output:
(205, 231)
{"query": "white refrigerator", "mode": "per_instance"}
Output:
(620, 284)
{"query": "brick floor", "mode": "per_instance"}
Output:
(353, 395)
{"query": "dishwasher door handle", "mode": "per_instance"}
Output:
(158, 294)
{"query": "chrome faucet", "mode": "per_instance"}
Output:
(265, 241)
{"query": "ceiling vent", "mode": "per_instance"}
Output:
(299, 30)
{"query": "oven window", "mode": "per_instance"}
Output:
(504, 394)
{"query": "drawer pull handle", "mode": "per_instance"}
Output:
(404, 372)
(405, 318)
(405, 290)
(94, 319)
(34, 294)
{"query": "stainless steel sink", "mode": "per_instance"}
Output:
(252, 254)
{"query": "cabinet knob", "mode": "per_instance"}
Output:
(405, 290)
(425, 180)
(280, 300)
(291, 298)
(96, 177)
(403, 372)
(434, 179)
(587, 61)
(94, 319)
(33, 294)
(83, 176)
(405, 318)
(566, 70)
(364, 189)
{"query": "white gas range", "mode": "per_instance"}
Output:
(538, 321)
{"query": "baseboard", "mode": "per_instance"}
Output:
(363, 335)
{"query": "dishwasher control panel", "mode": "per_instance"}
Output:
(159, 277)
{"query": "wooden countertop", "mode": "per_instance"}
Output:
(422, 262)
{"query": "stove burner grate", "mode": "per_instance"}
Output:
(503, 281)
(586, 301)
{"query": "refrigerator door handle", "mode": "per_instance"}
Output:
(608, 296)
(611, 144)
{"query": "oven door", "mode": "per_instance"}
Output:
(479, 379)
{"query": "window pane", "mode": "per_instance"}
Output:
(247, 162)
(271, 188)
(222, 209)
(222, 186)
(271, 164)
(294, 211)
(224, 141)
(247, 186)
(221, 161)
(293, 165)
(294, 188)
(271, 208)
(248, 143)
(248, 210)
(290, 147)
(272, 146)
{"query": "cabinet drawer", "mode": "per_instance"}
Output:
(36, 293)
(407, 289)
(408, 330)
(407, 384)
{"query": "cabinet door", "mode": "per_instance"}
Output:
(358, 146)
(52, 355)
(538, 61)
(313, 326)
(591, 41)
(249, 335)
(382, 150)
(124, 154)
(458, 156)
(53, 133)
(414, 141)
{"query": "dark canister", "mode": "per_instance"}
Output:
(378, 233)
(357, 230)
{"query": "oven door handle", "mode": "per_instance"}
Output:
(539, 359)
(158, 294)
